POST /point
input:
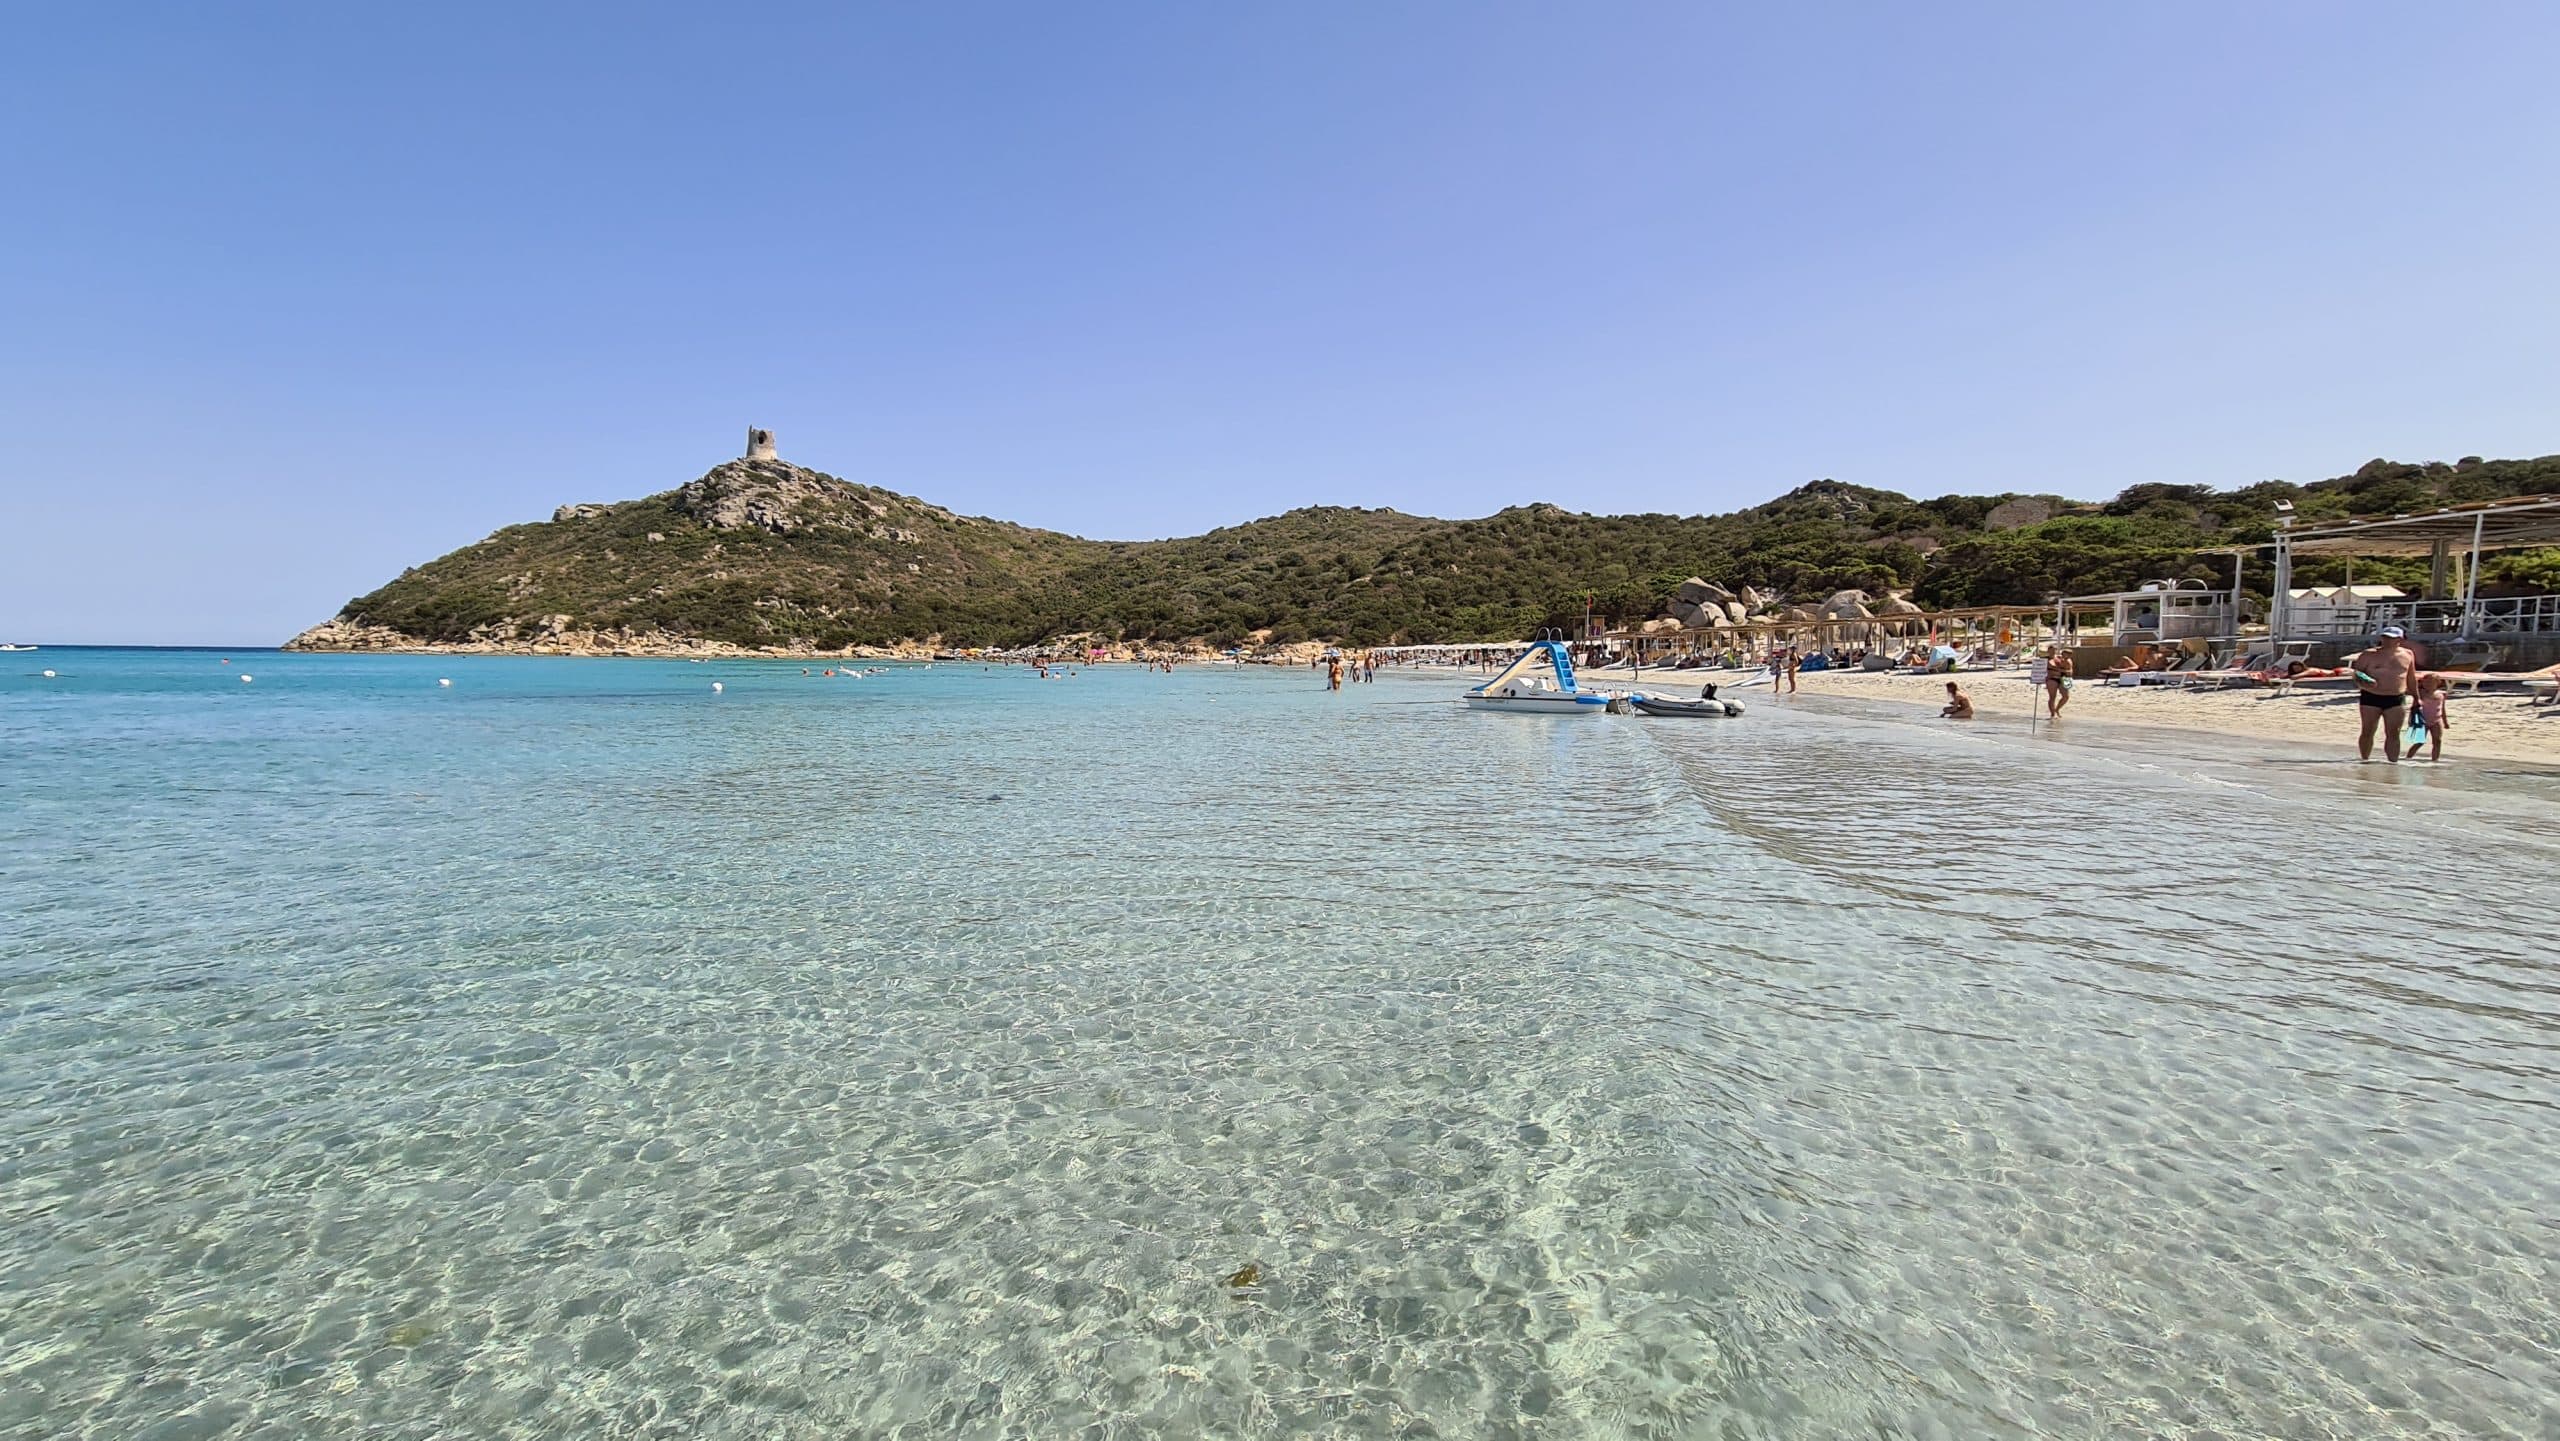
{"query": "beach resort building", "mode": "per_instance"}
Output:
(2452, 621)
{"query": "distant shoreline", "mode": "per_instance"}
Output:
(706, 651)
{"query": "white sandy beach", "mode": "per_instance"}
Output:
(2493, 723)
(2500, 724)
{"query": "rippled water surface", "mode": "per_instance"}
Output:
(572, 1051)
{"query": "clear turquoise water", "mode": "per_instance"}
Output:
(573, 1052)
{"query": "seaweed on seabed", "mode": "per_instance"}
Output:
(1246, 1283)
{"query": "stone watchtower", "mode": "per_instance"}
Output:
(760, 444)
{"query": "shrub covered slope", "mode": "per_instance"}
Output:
(767, 553)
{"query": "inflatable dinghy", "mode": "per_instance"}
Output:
(1707, 706)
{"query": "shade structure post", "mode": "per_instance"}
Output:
(2280, 604)
(2471, 580)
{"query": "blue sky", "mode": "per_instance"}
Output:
(292, 297)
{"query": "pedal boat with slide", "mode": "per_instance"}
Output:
(1539, 681)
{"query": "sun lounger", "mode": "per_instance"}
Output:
(2541, 687)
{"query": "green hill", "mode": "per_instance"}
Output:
(764, 553)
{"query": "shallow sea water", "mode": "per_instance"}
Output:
(575, 1052)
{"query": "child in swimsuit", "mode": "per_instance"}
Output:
(2432, 691)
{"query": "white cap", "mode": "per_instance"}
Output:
(2392, 632)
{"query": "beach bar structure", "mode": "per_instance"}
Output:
(2521, 631)
(2164, 612)
(2337, 609)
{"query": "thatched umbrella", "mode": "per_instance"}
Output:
(1894, 605)
(1849, 605)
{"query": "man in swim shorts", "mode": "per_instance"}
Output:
(2384, 677)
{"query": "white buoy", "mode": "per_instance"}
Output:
(715, 687)
(442, 681)
(48, 675)
(244, 680)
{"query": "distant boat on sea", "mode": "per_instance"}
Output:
(21, 647)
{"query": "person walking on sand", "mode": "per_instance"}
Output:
(1959, 705)
(1791, 670)
(2384, 675)
(2057, 684)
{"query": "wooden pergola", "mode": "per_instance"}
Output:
(1825, 631)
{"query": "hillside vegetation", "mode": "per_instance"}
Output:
(768, 553)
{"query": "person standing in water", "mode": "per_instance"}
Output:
(2384, 675)
(2432, 690)
(1333, 673)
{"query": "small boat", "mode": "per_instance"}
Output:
(1539, 681)
(20, 647)
(1663, 705)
